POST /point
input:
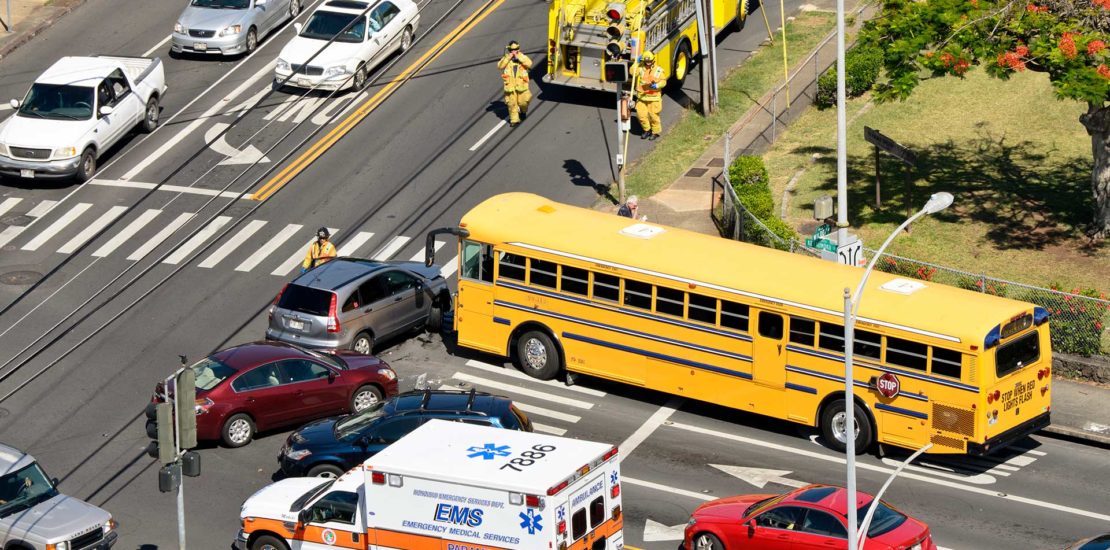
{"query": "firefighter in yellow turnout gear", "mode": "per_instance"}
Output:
(514, 67)
(650, 80)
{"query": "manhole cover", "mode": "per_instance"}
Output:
(17, 219)
(4, 412)
(20, 277)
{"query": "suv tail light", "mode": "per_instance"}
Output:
(270, 313)
(333, 317)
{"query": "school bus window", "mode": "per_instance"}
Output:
(511, 266)
(734, 315)
(542, 273)
(703, 309)
(597, 512)
(607, 287)
(477, 260)
(801, 331)
(904, 353)
(868, 344)
(770, 325)
(947, 362)
(575, 280)
(668, 301)
(637, 294)
(831, 337)
(1017, 354)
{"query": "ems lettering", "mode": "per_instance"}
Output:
(459, 515)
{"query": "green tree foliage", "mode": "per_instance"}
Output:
(1066, 39)
(862, 65)
(752, 184)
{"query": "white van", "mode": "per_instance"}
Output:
(450, 486)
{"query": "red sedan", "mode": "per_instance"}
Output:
(264, 385)
(809, 518)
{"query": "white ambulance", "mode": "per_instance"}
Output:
(450, 486)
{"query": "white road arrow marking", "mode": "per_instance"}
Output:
(249, 155)
(760, 476)
(657, 532)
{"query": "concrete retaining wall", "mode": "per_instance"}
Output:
(1076, 367)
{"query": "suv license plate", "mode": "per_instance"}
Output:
(304, 82)
(200, 47)
(24, 173)
(294, 324)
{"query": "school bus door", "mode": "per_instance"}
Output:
(769, 351)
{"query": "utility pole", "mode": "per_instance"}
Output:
(706, 69)
(172, 425)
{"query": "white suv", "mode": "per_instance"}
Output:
(364, 33)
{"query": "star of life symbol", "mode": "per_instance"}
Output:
(613, 478)
(488, 451)
(531, 521)
(561, 513)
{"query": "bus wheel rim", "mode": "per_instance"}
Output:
(535, 354)
(680, 67)
(839, 422)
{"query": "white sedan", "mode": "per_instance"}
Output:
(343, 41)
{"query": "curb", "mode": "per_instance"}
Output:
(24, 36)
(1076, 433)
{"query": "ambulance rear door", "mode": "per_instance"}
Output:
(584, 511)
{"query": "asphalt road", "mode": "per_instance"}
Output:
(169, 253)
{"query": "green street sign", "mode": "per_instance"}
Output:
(821, 244)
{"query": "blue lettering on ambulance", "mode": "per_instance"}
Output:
(459, 515)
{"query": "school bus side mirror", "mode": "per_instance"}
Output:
(616, 72)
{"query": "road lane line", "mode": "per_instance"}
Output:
(8, 204)
(232, 243)
(887, 471)
(474, 380)
(650, 425)
(171, 188)
(332, 137)
(271, 245)
(488, 135)
(354, 243)
(158, 45)
(192, 244)
(298, 257)
(57, 226)
(157, 239)
(47, 299)
(170, 144)
(92, 229)
(512, 372)
(666, 489)
(391, 248)
(536, 426)
(5, 107)
(127, 233)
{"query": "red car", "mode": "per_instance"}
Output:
(264, 385)
(810, 518)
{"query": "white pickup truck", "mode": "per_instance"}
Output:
(75, 111)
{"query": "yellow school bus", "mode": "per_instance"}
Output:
(564, 289)
(583, 35)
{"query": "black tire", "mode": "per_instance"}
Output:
(743, 9)
(833, 431)
(537, 355)
(87, 167)
(406, 40)
(435, 313)
(329, 471)
(682, 68)
(267, 542)
(252, 40)
(363, 343)
(707, 541)
(294, 9)
(276, 85)
(232, 433)
(151, 115)
(365, 397)
(359, 80)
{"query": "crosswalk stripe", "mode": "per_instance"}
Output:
(42, 208)
(1021, 461)
(533, 409)
(521, 376)
(522, 391)
(127, 233)
(233, 243)
(391, 248)
(93, 228)
(419, 256)
(57, 226)
(162, 235)
(547, 429)
(192, 244)
(287, 266)
(449, 268)
(268, 248)
(354, 243)
(8, 204)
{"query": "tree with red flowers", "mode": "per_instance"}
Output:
(1067, 39)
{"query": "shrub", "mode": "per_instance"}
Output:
(1076, 324)
(752, 183)
(861, 69)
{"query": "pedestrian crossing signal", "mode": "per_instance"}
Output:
(616, 72)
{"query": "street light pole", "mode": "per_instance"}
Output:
(875, 502)
(936, 203)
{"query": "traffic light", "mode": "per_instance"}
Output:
(185, 392)
(615, 31)
(616, 71)
(169, 478)
(190, 463)
(159, 427)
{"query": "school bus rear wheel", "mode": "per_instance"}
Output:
(537, 355)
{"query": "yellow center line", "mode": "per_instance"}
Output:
(308, 157)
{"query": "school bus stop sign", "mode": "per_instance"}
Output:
(888, 385)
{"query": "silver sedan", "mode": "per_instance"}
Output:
(229, 27)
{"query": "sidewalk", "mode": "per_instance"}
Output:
(30, 17)
(1078, 409)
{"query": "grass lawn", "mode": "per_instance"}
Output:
(687, 139)
(1016, 158)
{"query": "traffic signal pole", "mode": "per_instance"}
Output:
(177, 464)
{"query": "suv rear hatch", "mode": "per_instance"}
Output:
(302, 313)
